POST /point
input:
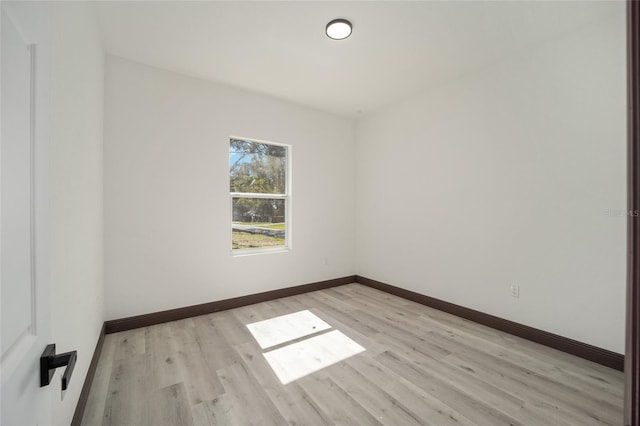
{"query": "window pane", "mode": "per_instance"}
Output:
(258, 222)
(257, 168)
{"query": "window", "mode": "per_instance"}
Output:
(260, 195)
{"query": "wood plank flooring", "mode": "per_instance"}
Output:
(420, 367)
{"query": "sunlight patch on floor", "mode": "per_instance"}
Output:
(285, 328)
(297, 360)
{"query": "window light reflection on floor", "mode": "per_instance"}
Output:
(285, 328)
(296, 360)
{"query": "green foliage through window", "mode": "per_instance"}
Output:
(257, 167)
(259, 196)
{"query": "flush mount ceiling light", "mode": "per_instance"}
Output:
(338, 29)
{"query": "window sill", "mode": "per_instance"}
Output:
(255, 251)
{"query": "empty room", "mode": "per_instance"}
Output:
(320, 213)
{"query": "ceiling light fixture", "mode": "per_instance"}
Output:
(338, 29)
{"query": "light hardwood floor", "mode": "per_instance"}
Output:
(420, 367)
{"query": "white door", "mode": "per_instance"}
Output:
(23, 301)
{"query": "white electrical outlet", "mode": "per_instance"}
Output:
(326, 261)
(515, 290)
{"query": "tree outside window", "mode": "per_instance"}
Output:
(258, 174)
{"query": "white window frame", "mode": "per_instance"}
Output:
(286, 197)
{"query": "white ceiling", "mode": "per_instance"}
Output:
(280, 49)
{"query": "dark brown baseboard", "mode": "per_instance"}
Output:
(114, 326)
(88, 380)
(564, 344)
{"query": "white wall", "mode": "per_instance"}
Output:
(167, 210)
(69, 188)
(504, 177)
(76, 202)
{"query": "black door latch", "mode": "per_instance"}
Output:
(49, 361)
